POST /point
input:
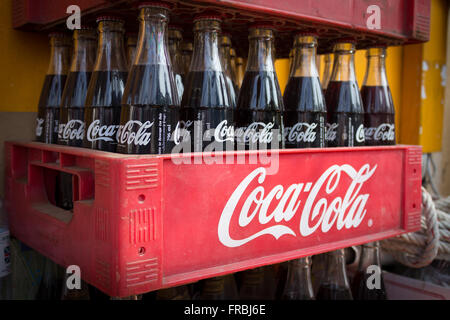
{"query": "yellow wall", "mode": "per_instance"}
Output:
(23, 64)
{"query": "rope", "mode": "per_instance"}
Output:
(419, 249)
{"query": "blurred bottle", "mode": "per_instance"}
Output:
(234, 70)
(334, 285)
(175, 38)
(304, 104)
(5, 257)
(370, 258)
(74, 294)
(327, 69)
(51, 284)
(298, 284)
(71, 117)
(131, 47)
(106, 87)
(379, 113)
(50, 99)
(186, 54)
(240, 71)
(225, 58)
(318, 270)
(216, 289)
(174, 293)
(257, 284)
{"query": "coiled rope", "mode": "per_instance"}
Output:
(419, 249)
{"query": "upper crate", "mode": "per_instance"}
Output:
(400, 21)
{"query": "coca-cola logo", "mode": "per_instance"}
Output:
(181, 132)
(39, 126)
(301, 132)
(360, 133)
(223, 132)
(347, 209)
(139, 136)
(98, 132)
(72, 130)
(331, 131)
(384, 132)
(257, 132)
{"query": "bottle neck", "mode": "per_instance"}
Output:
(152, 43)
(206, 46)
(175, 55)
(335, 269)
(299, 278)
(344, 63)
(304, 61)
(59, 57)
(327, 69)
(83, 54)
(370, 255)
(111, 51)
(226, 58)
(376, 69)
(260, 54)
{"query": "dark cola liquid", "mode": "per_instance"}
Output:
(345, 116)
(71, 118)
(361, 290)
(206, 101)
(102, 110)
(48, 108)
(148, 116)
(333, 292)
(304, 113)
(379, 118)
(258, 114)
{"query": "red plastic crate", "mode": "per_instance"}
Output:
(141, 223)
(401, 21)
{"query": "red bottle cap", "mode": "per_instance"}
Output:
(155, 4)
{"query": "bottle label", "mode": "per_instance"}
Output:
(255, 133)
(39, 127)
(96, 131)
(72, 130)
(385, 132)
(349, 130)
(135, 132)
(307, 134)
(5, 253)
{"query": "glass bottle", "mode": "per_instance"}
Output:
(298, 283)
(214, 289)
(345, 113)
(173, 293)
(379, 117)
(131, 47)
(150, 103)
(304, 103)
(334, 285)
(206, 101)
(225, 54)
(234, 70)
(71, 118)
(106, 87)
(186, 54)
(50, 99)
(259, 111)
(368, 283)
(175, 38)
(255, 285)
(327, 68)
